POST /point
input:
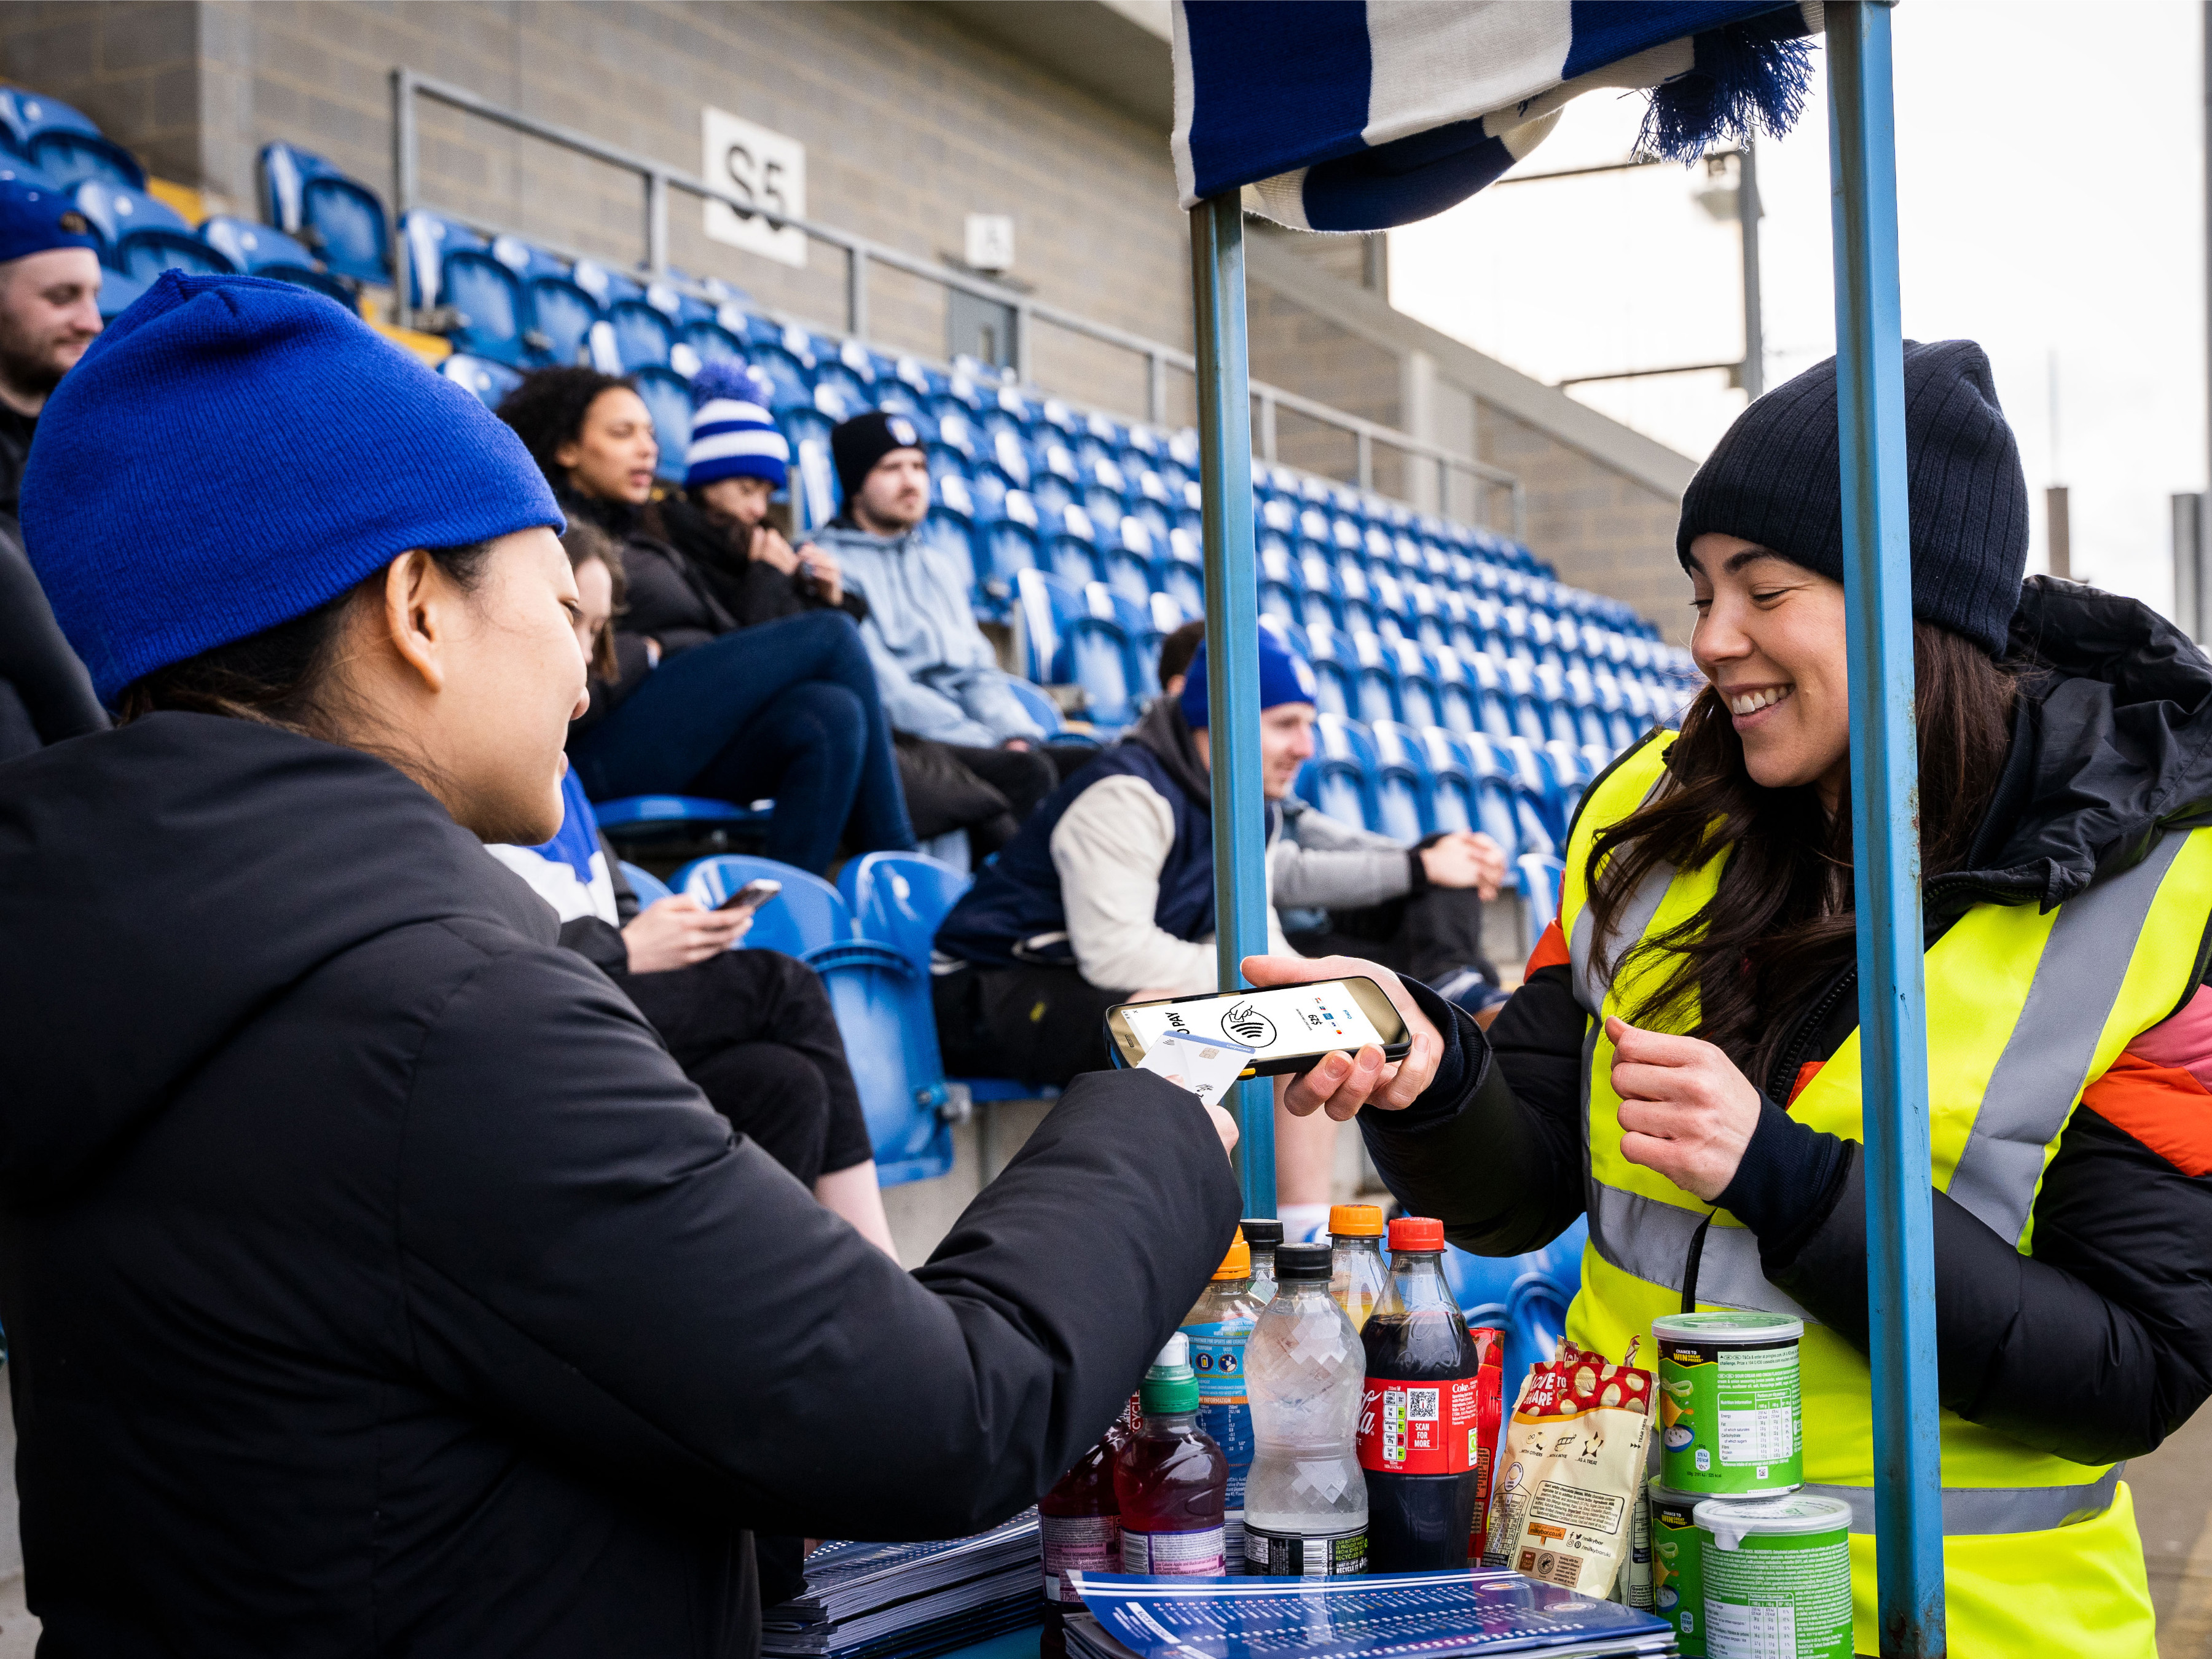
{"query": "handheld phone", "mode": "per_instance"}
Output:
(1288, 1027)
(752, 895)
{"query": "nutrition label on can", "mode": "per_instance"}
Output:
(1751, 1633)
(1758, 1405)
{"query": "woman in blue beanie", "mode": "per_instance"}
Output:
(1682, 1063)
(374, 1280)
(791, 713)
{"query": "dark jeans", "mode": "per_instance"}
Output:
(788, 709)
(1040, 1023)
(45, 693)
(1424, 938)
(755, 1030)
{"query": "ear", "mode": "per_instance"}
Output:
(567, 455)
(414, 616)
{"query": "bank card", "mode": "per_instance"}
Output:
(1206, 1068)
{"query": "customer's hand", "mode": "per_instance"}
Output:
(1464, 858)
(1685, 1109)
(678, 931)
(1342, 1084)
(828, 575)
(770, 548)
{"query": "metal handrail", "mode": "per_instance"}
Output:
(862, 252)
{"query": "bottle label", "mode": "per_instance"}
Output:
(1224, 1411)
(1078, 1543)
(1173, 1555)
(1420, 1428)
(1305, 1555)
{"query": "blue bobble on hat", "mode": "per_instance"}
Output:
(1284, 677)
(233, 452)
(733, 434)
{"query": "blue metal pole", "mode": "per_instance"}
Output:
(1885, 835)
(1232, 642)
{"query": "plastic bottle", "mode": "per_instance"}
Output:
(1261, 1235)
(1305, 1499)
(1081, 1521)
(1218, 1328)
(1356, 1273)
(1169, 1478)
(1420, 1419)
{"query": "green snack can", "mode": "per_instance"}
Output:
(1729, 1418)
(1678, 1593)
(1777, 1577)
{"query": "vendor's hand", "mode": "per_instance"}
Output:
(678, 931)
(1466, 858)
(1685, 1109)
(1019, 745)
(1342, 1084)
(770, 548)
(828, 575)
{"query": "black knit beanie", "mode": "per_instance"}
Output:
(855, 446)
(1776, 478)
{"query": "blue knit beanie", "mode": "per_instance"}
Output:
(1283, 678)
(1776, 478)
(733, 434)
(233, 452)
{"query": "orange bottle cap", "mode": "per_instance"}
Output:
(1238, 1264)
(1355, 1221)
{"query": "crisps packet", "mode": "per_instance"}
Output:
(1564, 1507)
(1489, 1410)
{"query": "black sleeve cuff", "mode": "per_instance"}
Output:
(1785, 1185)
(1459, 1073)
(1417, 873)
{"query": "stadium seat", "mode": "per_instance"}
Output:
(1340, 780)
(265, 251)
(1128, 558)
(1336, 680)
(1455, 691)
(1499, 811)
(426, 238)
(900, 899)
(486, 297)
(491, 381)
(669, 402)
(27, 115)
(71, 158)
(1146, 500)
(637, 819)
(1570, 776)
(1539, 876)
(1526, 1296)
(1451, 775)
(1011, 544)
(143, 235)
(1065, 640)
(561, 318)
(1418, 701)
(1046, 713)
(1102, 486)
(1374, 680)
(1070, 542)
(1321, 594)
(1180, 572)
(645, 333)
(1540, 815)
(807, 915)
(648, 888)
(1280, 588)
(338, 219)
(1053, 482)
(883, 1010)
(1404, 789)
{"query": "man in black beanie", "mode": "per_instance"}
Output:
(1775, 479)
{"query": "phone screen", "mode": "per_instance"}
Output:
(1291, 1019)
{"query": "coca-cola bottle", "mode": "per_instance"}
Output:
(1419, 1420)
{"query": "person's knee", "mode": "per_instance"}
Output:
(774, 1097)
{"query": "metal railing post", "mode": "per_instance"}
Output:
(1364, 441)
(656, 222)
(1885, 782)
(1024, 318)
(1269, 439)
(1232, 643)
(856, 293)
(1156, 388)
(402, 189)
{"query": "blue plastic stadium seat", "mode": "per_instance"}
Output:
(265, 251)
(805, 916)
(660, 818)
(1375, 684)
(649, 888)
(491, 381)
(26, 115)
(1066, 639)
(1180, 572)
(487, 299)
(1451, 771)
(1052, 478)
(425, 240)
(1417, 674)
(1010, 543)
(1404, 788)
(1526, 1296)
(143, 235)
(1455, 691)
(339, 219)
(1340, 780)
(71, 158)
(1129, 558)
(1540, 814)
(882, 1009)
(1499, 809)
(669, 402)
(1335, 687)
(1539, 875)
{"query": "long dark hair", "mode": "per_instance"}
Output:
(547, 409)
(1780, 923)
(280, 676)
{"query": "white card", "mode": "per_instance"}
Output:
(1207, 1069)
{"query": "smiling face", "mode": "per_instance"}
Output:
(613, 455)
(1770, 637)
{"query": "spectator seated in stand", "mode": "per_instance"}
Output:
(753, 1028)
(49, 313)
(789, 712)
(1347, 892)
(987, 768)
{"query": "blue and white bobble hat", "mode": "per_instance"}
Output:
(733, 434)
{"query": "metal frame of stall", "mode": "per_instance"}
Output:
(1885, 775)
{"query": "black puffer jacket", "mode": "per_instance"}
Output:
(2099, 1343)
(375, 1283)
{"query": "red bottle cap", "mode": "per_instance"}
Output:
(1417, 1232)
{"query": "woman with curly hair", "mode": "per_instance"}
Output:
(788, 711)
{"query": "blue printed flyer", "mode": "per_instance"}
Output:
(1379, 1616)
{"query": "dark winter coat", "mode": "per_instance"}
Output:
(375, 1283)
(2099, 1342)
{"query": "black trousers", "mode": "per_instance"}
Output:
(755, 1030)
(1424, 937)
(1037, 1023)
(985, 791)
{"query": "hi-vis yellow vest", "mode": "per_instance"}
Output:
(2024, 1009)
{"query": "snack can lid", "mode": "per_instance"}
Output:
(1355, 1221)
(1731, 1520)
(1417, 1232)
(1726, 1325)
(1238, 1264)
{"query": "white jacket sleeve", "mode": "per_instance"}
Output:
(1109, 847)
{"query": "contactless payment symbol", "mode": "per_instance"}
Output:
(1248, 1025)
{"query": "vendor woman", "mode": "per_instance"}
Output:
(374, 1281)
(1683, 1063)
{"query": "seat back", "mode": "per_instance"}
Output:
(1375, 686)
(491, 381)
(807, 915)
(1129, 559)
(900, 899)
(561, 318)
(1452, 805)
(668, 400)
(1404, 789)
(881, 1004)
(1339, 779)
(644, 336)
(1071, 541)
(117, 213)
(71, 158)
(649, 887)
(489, 297)
(253, 248)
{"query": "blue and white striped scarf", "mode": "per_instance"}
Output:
(1354, 115)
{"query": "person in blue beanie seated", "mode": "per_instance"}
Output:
(753, 1028)
(788, 712)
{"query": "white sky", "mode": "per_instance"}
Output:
(2050, 206)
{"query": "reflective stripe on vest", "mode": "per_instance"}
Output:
(1985, 1511)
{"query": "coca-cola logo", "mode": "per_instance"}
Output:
(1368, 1402)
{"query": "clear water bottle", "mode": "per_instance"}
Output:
(1306, 1498)
(1261, 1236)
